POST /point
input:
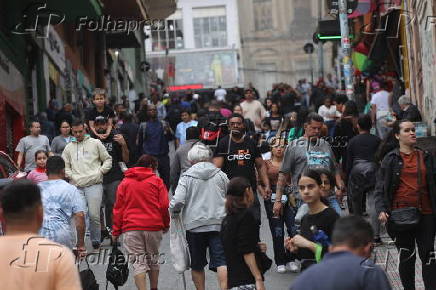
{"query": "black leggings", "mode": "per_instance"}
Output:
(424, 235)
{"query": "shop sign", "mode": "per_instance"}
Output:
(54, 47)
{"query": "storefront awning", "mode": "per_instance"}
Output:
(159, 9)
(125, 9)
(75, 9)
(122, 40)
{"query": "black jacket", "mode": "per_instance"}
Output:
(388, 180)
(412, 114)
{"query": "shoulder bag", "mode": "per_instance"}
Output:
(407, 218)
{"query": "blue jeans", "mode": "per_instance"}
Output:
(331, 125)
(334, 204)
(93, 195)
(277, 227)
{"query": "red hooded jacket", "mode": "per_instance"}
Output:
(141, 204)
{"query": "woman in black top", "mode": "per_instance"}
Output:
(240, 236)
(274, 121)
(346, 128)
(316, 226)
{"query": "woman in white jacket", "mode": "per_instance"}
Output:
(200, 199)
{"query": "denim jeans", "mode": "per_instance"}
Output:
(334, 204)
(93, 195)
(331, 125)
(276, 225)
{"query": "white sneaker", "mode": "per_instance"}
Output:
(281, 269)
(294, 267)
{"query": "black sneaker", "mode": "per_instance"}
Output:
(96, 245)
(104, 235)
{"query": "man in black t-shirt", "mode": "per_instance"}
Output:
(117, 148)
(100, 109)
(238, 156)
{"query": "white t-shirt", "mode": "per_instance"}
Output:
(325, 112)
(254, 111)
(220, 95)
(381, 100)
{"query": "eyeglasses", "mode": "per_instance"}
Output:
(150, 110)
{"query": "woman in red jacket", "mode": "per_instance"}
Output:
(141, 214)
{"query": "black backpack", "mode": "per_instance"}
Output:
(213, 127)
(118, 269)
(87, 278)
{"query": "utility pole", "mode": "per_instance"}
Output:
(346, 49)
(320, 45)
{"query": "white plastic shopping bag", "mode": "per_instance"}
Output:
(179, 245)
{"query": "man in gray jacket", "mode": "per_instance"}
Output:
(200, 197)
(180, 163)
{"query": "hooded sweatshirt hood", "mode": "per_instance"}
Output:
(202, 170)
(139, 173)
(201, 193)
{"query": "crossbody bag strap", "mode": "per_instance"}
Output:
(419, 173)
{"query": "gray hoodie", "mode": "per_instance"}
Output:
(201, 193)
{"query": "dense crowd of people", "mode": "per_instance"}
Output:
(300, 151)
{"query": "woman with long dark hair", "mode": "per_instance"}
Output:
(346, 128)
(59, 142)
(282, 259)
(406, 191)
(274, 120)
(240, 236)
(317, 225)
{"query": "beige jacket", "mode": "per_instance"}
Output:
(86, 162)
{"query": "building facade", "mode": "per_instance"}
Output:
(273, 34)
(45, 58)
(421, 56)
(198, 47)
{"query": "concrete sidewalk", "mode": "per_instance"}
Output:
(386, 256)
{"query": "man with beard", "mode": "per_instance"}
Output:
(238, 156)
(117, 148)
(308, 151)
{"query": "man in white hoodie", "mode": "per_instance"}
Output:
(86, 160)
(200, 197)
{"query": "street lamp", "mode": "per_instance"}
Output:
(308, 49)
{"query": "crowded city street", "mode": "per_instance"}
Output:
(218, 145)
